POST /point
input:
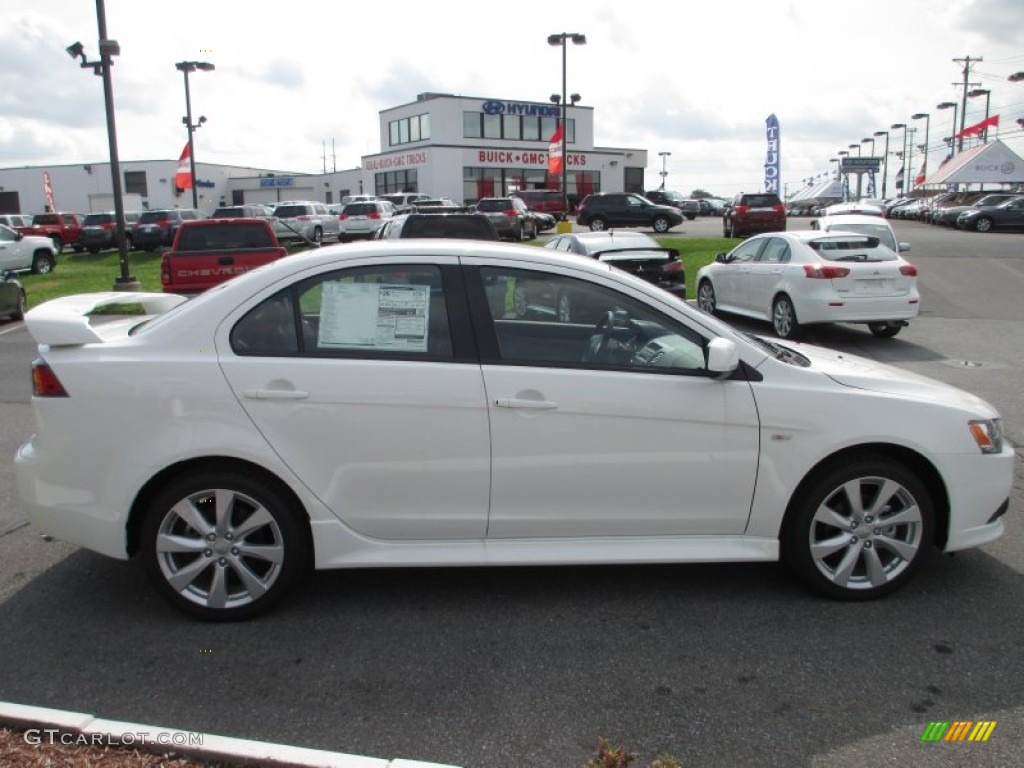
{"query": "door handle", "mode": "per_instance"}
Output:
(275, 394)
(515, 402)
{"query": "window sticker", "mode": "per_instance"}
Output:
(374, 316)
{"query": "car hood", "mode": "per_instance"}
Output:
(861, 373)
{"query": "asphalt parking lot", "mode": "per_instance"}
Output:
(718, 665)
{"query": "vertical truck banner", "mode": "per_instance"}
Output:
(773, 160)
(555, 152)
(48, 192)
(183, 178)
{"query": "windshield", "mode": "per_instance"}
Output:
(290, 211)
(97, 218)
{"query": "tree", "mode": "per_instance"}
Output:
(698, 193)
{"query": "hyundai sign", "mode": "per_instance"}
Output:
(519, 108)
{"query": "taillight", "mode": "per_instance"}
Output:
(824, 272)
(342, 216)
(373, 215)
(779, 208)
(44, 381)
(511, 212)
(741, 208)
(674, 266)
(303, 218)
(909, 270)
(165, 270)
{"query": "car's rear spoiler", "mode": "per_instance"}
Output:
(65, 321)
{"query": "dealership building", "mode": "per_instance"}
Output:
(443, 145)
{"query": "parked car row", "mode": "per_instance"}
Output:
(977, 211)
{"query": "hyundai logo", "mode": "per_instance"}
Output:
(493, 107)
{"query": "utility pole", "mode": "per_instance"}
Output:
(966, 61)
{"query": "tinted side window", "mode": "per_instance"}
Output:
(268, 329)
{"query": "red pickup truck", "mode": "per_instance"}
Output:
(62, 228)
(210, 251)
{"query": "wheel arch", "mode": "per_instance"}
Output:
(212, 464)
(910, 458)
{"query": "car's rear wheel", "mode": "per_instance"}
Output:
(222, 546)
(884, 330)
(93, 250)
(784, 320)
(706, 297)
(983, 224)
(860, 529)
(318, 236)
(661, 224)
(42, 263)
(20, 309)
(597, 224)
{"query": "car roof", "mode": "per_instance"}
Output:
(852, 218)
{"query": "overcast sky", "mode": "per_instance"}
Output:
(696, 79)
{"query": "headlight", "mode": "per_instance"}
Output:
(988, 434)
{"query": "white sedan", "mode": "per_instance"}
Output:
(383, 404)
(802, 278)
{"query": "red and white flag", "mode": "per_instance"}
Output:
(183, 178)
(924, 171)
(48, 192)
(555, 153)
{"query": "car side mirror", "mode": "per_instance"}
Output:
(723, 357)
(722, 258)
(19, 235)
(904, 247)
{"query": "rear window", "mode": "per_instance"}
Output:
(150, 217)
(879, 231)
(464, 227)
(45, 218)
(291, 211)
(760, 201)
(359, 209)
(494, 206)
(93, 219)
(229, 213)
(852, 249)
(224, 237)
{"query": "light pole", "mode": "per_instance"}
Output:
(885, 162)
(836, 161)
(561, 39)
(864, 141)
(988, 97)
(903, 158)
(108, 49)
(926, 116)
(910, 178)
(185, 67)
(857, 147)
(664, 172)
(952, 136)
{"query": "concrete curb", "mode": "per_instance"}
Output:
(80, 729)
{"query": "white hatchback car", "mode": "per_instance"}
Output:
(361, 219)
(872, 225)
(382, 404)
(802, 278)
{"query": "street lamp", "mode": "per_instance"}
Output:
(664, 172)
(857, 147)
(108, 49)
(560, 39)
(952, 136)
(185, 67)
(902, 156)
(864, 141)
(988, 97)
(836, 161)
(885, 162)
(927, 128)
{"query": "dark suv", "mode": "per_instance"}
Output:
(690, 208)
(156, 228)
(751, 213)
(99, 230)
(462, 226)
(622, 209)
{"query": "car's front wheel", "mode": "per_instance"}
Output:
(983, 224)
(784, 320)
(42, 263)
(661, 225)
(222, 546)
(706, 297)
(860, 529)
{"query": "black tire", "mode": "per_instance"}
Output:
(42, 263)
(661, 225)
(519, 234)
(77, 248)
(235, 584)
(784, 320)
(93, 250)
(318, 236)
(732, 230)
(597, 224)
(19, 311)
(884, 330)
(983, 224)
(706, 299)
(865, 549)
